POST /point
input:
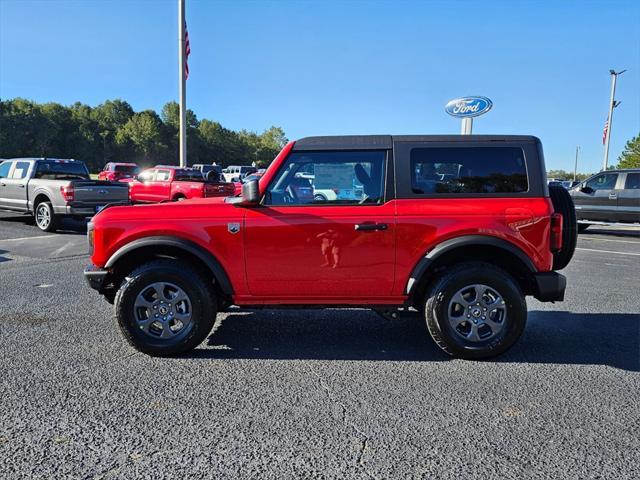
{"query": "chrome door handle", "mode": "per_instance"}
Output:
(371, 226)
(613, 196)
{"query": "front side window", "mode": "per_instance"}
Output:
(605, 181)
(4, 169)
(21, 170)
(329, 178)
(474, 170)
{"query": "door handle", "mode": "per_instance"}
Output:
(371, 226)
(21, 186)
(613, 196)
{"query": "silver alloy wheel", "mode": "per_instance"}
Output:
(43, 216)
(477, 313)
(163, 311)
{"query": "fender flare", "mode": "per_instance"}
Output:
(467, 240)
(187, 245)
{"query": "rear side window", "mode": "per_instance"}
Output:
(468, 170)
(633, 181)
(162, 175)
(4, 169)
(190, 175)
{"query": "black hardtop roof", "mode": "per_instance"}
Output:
(374, 142)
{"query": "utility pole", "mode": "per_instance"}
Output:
(575, 166)
(183, 85)
(612, 104)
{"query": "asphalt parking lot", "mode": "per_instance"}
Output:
(326, 394)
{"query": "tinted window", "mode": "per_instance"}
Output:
(62, 171)
(189, 175)
(21, 170)
(604, 181)
(130, 169)
(343, 178)
(468, 170)
(633, 181)
(4, 169)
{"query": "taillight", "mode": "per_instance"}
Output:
(90, 236)
(68, 193)
(556, 232)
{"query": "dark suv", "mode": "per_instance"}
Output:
(459, 228)
(611, 197)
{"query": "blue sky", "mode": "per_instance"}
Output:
(342, 67)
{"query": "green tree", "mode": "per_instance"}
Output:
(630, 157)
(143, 132)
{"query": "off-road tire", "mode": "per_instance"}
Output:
(54, 220)
(563, 204)
(200, 293)
(457, 277)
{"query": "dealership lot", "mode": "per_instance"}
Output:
(334, 393)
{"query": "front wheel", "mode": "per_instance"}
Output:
(475, 311)
(165, 307)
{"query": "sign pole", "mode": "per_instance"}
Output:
(183, 85)
(466, 126)
(575, 166)
(612, 105)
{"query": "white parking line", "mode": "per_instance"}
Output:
(609, 251)
(609, 240)
(26, 238)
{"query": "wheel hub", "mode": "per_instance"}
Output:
(477, 313)
(163, 310)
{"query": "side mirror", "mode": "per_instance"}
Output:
(251, 193)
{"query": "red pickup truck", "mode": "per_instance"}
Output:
(119, 172)
(162, 184)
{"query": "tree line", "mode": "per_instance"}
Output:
(113, 131)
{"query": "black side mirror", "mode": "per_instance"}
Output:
(251, 193)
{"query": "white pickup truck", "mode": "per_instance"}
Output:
(50, 188)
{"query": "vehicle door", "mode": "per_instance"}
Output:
(140, 188)
(597, 199)
(161, 189)
(298, 247)
(629, 198)
(15, 186)
(5, 170)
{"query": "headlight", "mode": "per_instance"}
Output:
(90, 236)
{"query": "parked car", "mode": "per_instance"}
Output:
(119, 172)
(235, 173)
(611, 197)
(170, 183)
(463, 250)
(50, 189)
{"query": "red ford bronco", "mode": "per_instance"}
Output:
(459, 228)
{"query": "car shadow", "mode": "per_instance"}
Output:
(550, 337)
(596, 231)
(4, 259)
(67, 226)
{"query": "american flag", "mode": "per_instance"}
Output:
(605, 130)
(187, 51)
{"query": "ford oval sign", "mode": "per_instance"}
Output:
(468, 106)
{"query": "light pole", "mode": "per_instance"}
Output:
(612, 104)
(575, 166)
(183, 85)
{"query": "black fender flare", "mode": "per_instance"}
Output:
(467, 240)
(176, 242)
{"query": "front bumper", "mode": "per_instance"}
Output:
(550, 286)
(95, 277)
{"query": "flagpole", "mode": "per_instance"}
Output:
(612, 105)
(183, 85)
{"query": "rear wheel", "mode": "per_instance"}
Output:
(46, 219)
(165, 307)
(563, 204)
(475, 311)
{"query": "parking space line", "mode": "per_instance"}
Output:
(26, 238)
(609, 240)
(609, 251)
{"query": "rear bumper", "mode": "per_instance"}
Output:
(550, 286)
(95, 276)
(86, 210)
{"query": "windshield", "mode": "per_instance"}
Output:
(62, 171)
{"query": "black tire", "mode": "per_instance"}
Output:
(179, 198)
(319, 197)
(42, 211)
(582, 227)
(563, 204)
(202, 303)
(459, 277)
